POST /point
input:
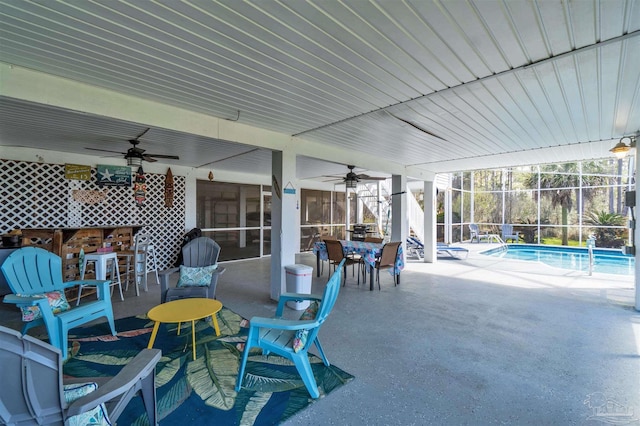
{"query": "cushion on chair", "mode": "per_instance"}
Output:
(199, 276)
(56, 299)
(97, 416)
(301, 335)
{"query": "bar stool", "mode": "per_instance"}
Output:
(137, 262)
(151, 260)
(100, 267)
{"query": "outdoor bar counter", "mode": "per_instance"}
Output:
(67, 243)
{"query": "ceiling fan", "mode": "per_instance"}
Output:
(135, 155)
(352, 178)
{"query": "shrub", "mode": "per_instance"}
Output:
(606, 237)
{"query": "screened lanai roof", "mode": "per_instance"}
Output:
(411, 87)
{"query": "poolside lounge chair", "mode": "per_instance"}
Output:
(508, 234)
(453, 251)
(415, 247)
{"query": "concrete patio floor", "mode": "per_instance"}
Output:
(476, 341)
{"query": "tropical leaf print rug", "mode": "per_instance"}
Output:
(200, 392)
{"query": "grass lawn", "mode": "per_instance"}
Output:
(558, 242)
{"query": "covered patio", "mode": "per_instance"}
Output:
(286, 95)
(473, 341)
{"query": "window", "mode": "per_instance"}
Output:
(236, 216)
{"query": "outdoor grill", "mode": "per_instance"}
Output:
(359, 232)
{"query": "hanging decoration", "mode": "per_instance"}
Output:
(77, 171)
(289, 188)
(81, 262)
(168, 189)
(108, 175)
(89, 196)
(210, 176)
(140, 187)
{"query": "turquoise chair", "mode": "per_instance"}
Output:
(32, 271)
(276, 334)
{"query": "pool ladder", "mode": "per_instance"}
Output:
(591, 243)
(503, 244)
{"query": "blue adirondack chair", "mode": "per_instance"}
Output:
(276, 334)
(32, 271)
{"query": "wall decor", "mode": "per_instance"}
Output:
(140, 187)
(289, 188)
(168, 189)
(113, 175)
(90, 196)
(77, 172)
(50, 204)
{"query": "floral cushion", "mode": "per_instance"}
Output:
(199, 276)
(301, 335)
(56, 299)
(97, 416)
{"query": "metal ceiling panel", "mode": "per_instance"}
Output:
(426, 83)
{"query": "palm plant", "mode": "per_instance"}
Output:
(601, 221)
(563, 180)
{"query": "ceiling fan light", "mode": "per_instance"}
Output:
(351, 184)
(134, 161)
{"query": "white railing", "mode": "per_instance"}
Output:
(368, 193)
(416, 216)
(371, 198)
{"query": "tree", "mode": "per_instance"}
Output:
(563, 183)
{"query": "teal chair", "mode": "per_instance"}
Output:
(277, 335)
(31, 272)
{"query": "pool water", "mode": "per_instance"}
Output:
(607, 261)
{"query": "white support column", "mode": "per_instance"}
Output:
(191, 202)
(448, 217)
(284, 220)
(399, 210)
(430, 218)
(636, 234)
(242, 243)
(379, 201)
(347, 212)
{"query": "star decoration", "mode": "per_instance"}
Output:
(106, 176)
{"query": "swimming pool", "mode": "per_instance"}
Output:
(607, 261)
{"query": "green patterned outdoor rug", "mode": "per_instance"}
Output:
(200, 392)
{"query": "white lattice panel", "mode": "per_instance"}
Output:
(36, 195)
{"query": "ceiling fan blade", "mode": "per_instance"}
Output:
(106, 150)
(367, 177)
(172, 157)
(148, 159)
(142, 134)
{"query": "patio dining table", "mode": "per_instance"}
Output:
(369, 252)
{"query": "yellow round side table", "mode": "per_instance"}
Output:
(184, 310)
